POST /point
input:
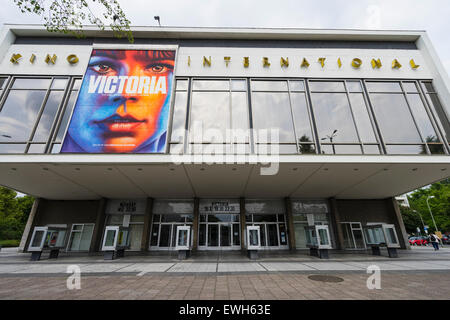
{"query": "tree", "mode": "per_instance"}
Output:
(439, 205)
(411, 220)
(14, 212)
(68, 16)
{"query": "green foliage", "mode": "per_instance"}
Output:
(14, 213)
(9, 243)
(69, 16)
(411, 220)
(439, 205)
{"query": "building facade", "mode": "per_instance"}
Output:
(219, 129)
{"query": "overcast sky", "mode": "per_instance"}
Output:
(430, 15)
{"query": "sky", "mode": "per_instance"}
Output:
(430, 15)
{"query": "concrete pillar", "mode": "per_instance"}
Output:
(96, 244)
(403, 236)
(290, 224)
(27, 232)
(195, 224)
(337, 226)
(242, 222)
(145, 243)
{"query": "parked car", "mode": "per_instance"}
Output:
(418, 241)
(445, 239)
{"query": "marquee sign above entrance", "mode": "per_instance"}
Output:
(219, 206)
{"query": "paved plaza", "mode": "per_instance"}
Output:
(420, 273)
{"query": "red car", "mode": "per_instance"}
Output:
(418, 241)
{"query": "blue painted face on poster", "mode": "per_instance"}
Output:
(123, 105)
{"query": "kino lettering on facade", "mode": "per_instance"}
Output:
(49, 58)
(284, 62)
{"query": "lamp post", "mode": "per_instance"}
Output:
(435, 227)
(334, 134)
(423, 224)
(157, 18)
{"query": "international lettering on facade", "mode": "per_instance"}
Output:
(127, 207)
(265, 62)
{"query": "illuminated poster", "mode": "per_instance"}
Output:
(123, 105)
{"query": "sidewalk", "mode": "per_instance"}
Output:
(419, 274)
(417, 259)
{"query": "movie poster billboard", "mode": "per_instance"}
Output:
(123, 104)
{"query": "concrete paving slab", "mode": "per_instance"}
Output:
(331, 266)
(46, 268)
(382, 265)
(420, 265)
(285, 266)
(146, 267)
(193, 267)
(102, 267)
(240, 267)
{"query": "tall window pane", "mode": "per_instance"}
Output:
(66, 116)
(19, 114)
(45, 122)
(239, 116)
(362, 118)
(422, 119)
(301, 117)
(332, 114)
(179, 117)
(272, 111)
(210, 116)
(394, 119)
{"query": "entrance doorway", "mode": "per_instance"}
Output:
(353, 235)
(164, 230)
(272, 227)
(219, 232)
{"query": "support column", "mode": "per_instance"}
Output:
(337, 226)
(403, 236)
(290, 224)
(96, 243)
(27, 232)
(195, 224)
(242, 222)
(145, 243)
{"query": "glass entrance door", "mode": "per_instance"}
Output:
(353, 237)
(219, 232)
(225, 235)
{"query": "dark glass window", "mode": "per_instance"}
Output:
(362, 118)
(384, 87)
(66, 116)
(326, 86)
(394, 118)
(332, 114)
(19, 114)
(179, 117)
(301, 118)
(48, 116)
(272, 111)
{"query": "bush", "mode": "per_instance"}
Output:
(9, 243)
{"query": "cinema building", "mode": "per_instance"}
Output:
(333, 125)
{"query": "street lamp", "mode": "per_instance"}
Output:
(420, 219)
(334, 134)
(158, 19)
(435, 227)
